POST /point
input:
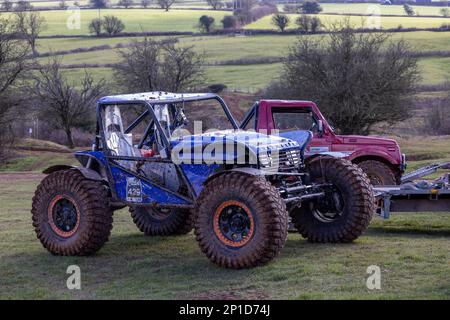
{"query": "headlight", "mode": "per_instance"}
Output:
(280, 160)
(265, 160)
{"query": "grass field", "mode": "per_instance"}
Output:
(412, 251)
(370, 8)
(386, 22)
(223, 48)
(177, 4)
(251, 78)
(135, 20)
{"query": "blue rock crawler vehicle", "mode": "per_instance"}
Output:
(236, 188)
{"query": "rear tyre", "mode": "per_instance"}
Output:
(378, 173)
(241, 221)
(71, 214)
(161, 221)
(346, 210)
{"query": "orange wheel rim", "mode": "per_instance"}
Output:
(238, 219)
(56, 226)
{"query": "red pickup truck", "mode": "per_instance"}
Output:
(380, 158)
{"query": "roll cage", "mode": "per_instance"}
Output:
(148, 101)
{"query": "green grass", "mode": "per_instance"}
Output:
(411, 250)
(222, 48)
(137, 4)
(251, 78)
(435, 70)
(355, 21)
(135, 20)
(36, 161)
(369, 8)
(51, 4)
(243, 78)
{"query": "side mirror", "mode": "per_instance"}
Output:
(320, 126)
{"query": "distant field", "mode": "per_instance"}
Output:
(136, 3)
(250, 78)
(225, 47)
(369, 8)
(135, 20)
(435, 70)
(365, 22)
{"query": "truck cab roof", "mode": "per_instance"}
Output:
(287, 103)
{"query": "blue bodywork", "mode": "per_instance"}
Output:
(124, 183)
(302, 137)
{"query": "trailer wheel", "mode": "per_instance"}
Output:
(378, 172)
(161, 221)
(71, 214)
(346, 210)
(241, 221)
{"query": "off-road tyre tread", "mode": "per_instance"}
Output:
(361, 205)
(178, 224)
(92, 198)
(386, 173)
(271, 210)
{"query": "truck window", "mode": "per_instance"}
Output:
(287, 121)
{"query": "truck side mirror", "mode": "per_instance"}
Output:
(320, 126)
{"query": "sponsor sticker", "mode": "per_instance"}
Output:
(134, 189)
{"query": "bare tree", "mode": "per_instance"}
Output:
(182, 68)
(29, 25)
(358, 79)
(281, 21)
(215, 4)
(7, 5)
(205, 23)
(61, 103)
(112, 25)
(125, 3)
(63, 5)
(155, 65)
(99, 4)
(408, 10)
(307, 23)
(23, 5)
(145, 3)
(303, 23)
(95, 26)
(13, 67)
(166, 4)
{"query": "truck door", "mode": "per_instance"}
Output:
(290, 120)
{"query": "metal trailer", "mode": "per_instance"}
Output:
(412, 196)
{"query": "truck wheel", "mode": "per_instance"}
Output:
(241, 221)
(161, 221)
(345, 211)
(378, 172)
(71, 214)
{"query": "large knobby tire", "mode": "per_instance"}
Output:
(351, 197)
(378, 172)
(241, 221)
(161, 221)
(71, 214)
